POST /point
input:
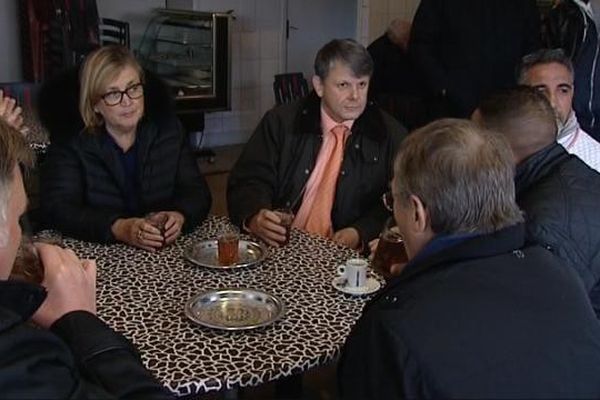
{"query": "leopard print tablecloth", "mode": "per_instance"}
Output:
(143, 294)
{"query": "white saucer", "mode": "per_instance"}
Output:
(372, 285)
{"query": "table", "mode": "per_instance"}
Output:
(142, 295)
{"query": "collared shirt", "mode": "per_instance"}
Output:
(129, 163)
(576, 141)
(312, 185)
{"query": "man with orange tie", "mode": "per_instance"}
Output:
(328, 157)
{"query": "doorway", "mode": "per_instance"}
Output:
(309, 24)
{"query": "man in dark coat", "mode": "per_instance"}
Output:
(289, 162)
(558, 192)
(466, 49)
(72, 353)
(474, 314)
(574, 26)
(395, 84)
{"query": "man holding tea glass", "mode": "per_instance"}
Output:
(326, 158)
(476, 313)
(74, 354)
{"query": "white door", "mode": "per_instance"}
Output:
(311, 24)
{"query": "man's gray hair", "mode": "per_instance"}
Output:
(463, 174)
(13, 151)
(540, 57)
(347, 51)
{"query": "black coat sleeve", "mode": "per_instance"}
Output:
(254, 178)
(63, 198)
(91, 361)
(376, 363)
(370, 223)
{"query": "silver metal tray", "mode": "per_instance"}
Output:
(205, 254)
(234, 309)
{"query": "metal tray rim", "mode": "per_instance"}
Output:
(190, 315)
(187, 255)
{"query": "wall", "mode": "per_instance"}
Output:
(256, 56)
(377, 14)
(10, 66)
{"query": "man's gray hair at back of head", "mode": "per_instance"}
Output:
(462, 173)
(13, 151)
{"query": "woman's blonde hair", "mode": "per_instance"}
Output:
(99, 69)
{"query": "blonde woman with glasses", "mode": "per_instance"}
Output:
(124, 164)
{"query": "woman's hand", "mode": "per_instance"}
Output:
(137, 232)
(173, 226)
(11, 113)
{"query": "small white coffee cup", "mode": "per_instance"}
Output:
(355, 272)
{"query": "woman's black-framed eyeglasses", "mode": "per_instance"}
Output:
(388, 201)
(115, 97)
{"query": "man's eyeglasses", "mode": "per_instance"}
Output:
(116, 97)
(388, 201)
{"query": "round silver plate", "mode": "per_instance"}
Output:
(234, 309)
(205, 254)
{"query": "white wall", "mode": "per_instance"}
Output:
(10, 51)
(255, 58)
(377, 14)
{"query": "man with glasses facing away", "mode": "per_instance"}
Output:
(475, 313)
(551, 72)
(327, 157)
(71, 353)
(123, 165)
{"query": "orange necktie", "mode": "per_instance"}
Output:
(319, 219)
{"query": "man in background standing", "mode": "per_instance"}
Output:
(395, 84)
(466, 49)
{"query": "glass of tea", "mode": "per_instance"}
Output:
(287, 218)
(390, 249)
(158, 220)
(228, 246)
(28, 265)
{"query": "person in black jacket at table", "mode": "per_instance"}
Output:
(289, 161)
(476, 313)
(558, 192)
(124, 164)
(71, 353)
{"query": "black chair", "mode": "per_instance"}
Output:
(113, 31)
(289, 87)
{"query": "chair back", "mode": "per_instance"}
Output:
(289, 87)
(113, 31)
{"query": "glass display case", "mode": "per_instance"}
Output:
(191, 51)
